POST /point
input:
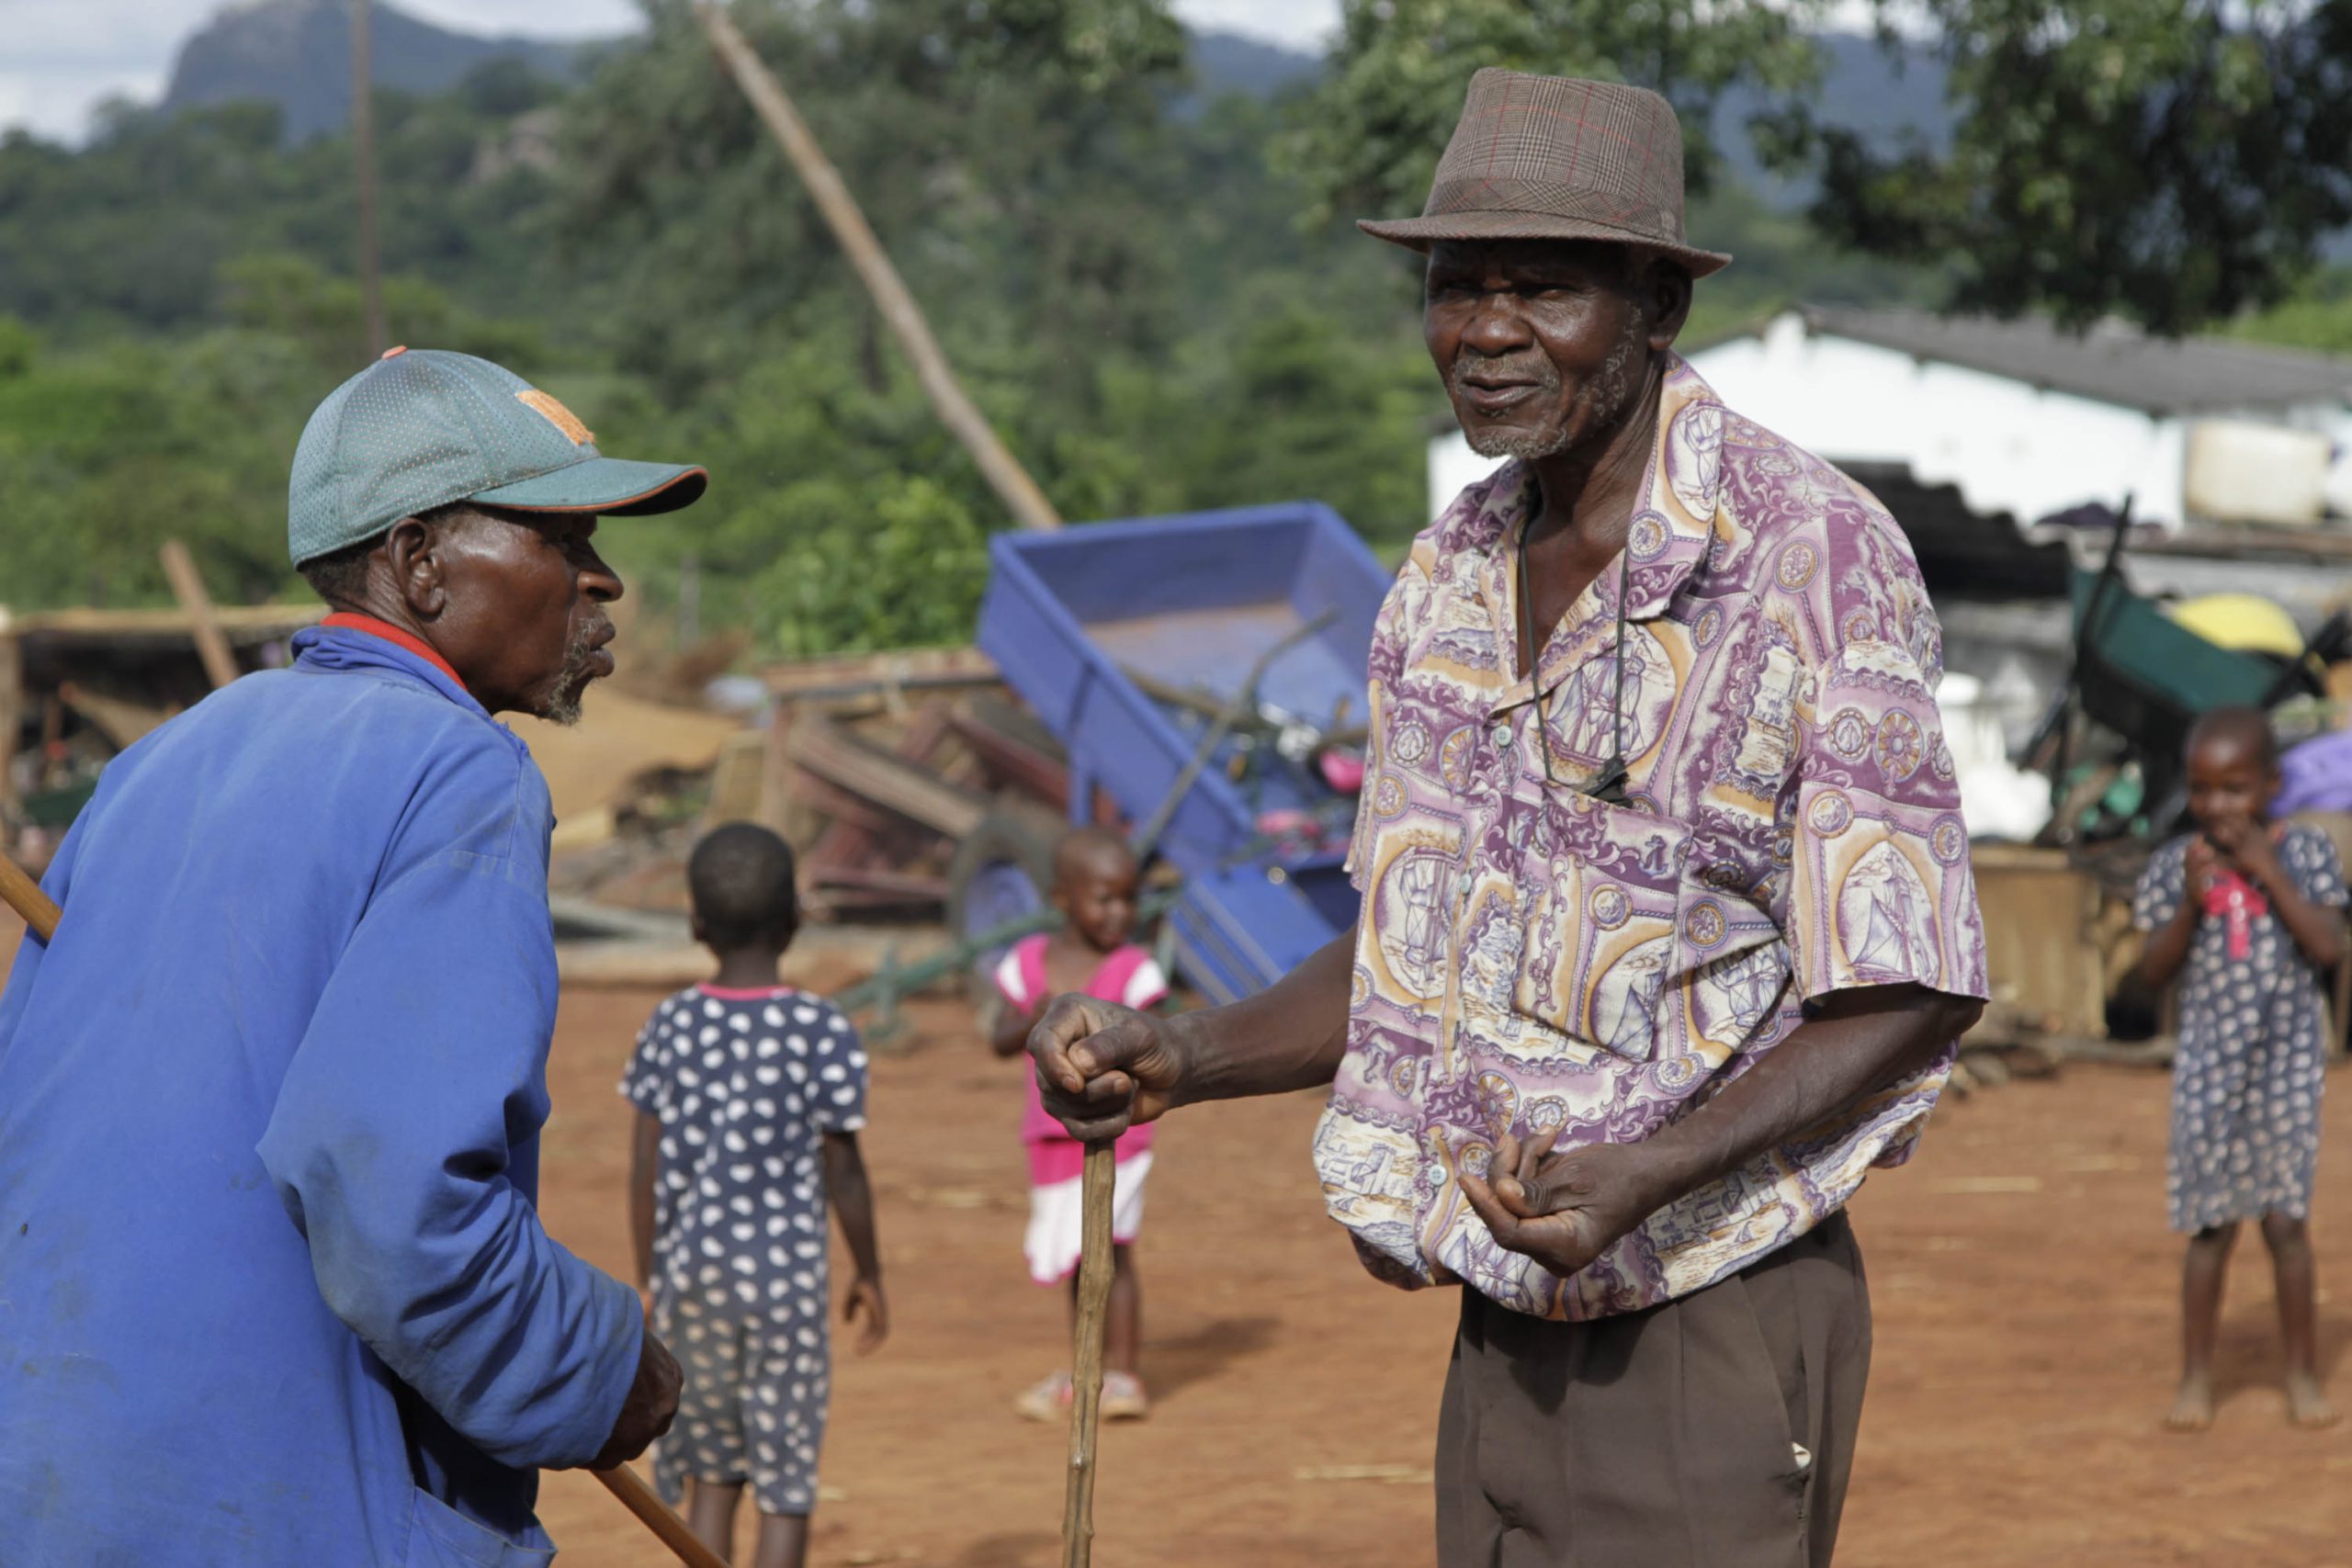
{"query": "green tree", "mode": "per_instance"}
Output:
(2174, 161)
(1369, 138)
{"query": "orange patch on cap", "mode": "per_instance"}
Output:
(555, 413)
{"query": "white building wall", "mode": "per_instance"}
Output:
(2007, 446)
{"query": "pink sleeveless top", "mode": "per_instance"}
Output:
(1128, 977)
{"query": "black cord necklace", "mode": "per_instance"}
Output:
(1609, 785)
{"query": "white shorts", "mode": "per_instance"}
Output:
(1055, 1214)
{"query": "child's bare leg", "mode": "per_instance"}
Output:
(2201, 1276)
(711, 1513)
(1123, 1330)
(784, 1540)
(2292, 1272)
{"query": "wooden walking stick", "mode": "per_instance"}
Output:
(1093, 1307)
(41, 914)
(658, 1516)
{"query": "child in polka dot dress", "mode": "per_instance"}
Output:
(2246, 913)
(750, 1095)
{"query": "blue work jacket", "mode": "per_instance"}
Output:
(273, 1285)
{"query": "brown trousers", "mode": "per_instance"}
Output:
(1715, 1431)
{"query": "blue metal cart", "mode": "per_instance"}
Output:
(1127, 640)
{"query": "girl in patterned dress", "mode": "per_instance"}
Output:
(1094, 887)
(750, 1095)
(2248, 914)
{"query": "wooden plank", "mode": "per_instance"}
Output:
(838, 803)
(822, 748)
(1017, 762)
(839, 902)
(910, 887)
(871, 675)
(240, 623)
(119, 721)
(2241, 541)
(188, 587)
(736, 782)
(12, 710)
(776, 811)
(845, 842)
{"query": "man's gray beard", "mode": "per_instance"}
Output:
(1529, 446)
(570, 689)
(1526, 444)
(1604, 397)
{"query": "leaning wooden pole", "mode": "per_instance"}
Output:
(363, 150)
(997, 464)
(203, 621)
(1096, 1191)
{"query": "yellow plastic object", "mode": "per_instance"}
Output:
(2243, 622)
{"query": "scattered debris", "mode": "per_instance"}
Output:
(1387, 1475)
(1982, 1186)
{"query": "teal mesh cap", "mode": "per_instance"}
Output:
(422, 428)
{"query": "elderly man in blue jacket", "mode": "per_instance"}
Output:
(273, 1286)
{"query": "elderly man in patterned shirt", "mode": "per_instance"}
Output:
(1667, 927)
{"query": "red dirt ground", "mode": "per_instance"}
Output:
(2023, 1280)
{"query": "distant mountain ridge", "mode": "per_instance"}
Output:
(297, 54)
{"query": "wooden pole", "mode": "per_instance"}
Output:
(658, 1516)
(220, 664)
(12, 711)
(1096, 1191)
(363, 147)
(997, 464)
(41, 914)
(24, 895)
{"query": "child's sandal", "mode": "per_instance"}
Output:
(1048, 1401)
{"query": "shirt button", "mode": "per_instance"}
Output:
(1502, 735)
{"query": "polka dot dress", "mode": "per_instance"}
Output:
(2246, 1079)
(745, 1088)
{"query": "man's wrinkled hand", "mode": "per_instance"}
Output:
(1102, 1069)
(1563, 1211)
(652, 1406)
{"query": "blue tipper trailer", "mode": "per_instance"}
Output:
(1192, 604)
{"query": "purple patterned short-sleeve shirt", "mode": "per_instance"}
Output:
(1530, 958)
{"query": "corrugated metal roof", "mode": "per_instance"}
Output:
(2112, 363)
(1963, 554)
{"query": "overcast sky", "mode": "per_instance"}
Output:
(59, 59)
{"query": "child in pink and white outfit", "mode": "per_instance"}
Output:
(1094, 887)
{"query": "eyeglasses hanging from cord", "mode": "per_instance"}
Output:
(1608, 785)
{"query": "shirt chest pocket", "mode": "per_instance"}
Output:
(1628, 949)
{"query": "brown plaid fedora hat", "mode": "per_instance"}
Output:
(1556, 158)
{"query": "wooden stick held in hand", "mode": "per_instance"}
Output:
(642, 1500)
(25, 897)
(41, 913)
(1093, 1308)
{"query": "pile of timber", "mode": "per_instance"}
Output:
(874, 768)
